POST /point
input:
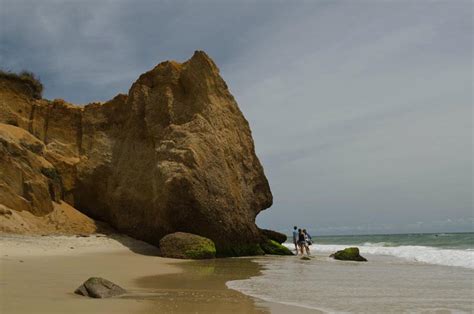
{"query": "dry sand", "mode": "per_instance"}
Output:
(40, 274)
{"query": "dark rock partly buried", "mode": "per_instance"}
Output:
(274, 235)
(187, 246)
(274, 248)
(349, 254)
(96, 287)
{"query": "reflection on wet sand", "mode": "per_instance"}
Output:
(201, 288)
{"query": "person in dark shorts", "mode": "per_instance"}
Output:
(301, 241)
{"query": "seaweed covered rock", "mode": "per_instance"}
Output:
(274, 235)
(187, 246)
(349, 254)
(251, 249)
(274, 248)
(96, 287)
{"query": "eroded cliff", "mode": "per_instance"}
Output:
(175, 154)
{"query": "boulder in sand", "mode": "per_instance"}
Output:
(349, 254)
(96, 287)
(187, 246)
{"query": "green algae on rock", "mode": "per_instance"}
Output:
(252, 249)
(274, 248)
(349, 254)
(187, 246)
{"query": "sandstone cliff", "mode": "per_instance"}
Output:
(175, 154)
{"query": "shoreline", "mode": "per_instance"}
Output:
(383, 284)
(40, 273)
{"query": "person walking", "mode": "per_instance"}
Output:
(301, 241)
(308, 240)
(295, 238)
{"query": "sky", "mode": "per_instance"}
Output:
(361, 111)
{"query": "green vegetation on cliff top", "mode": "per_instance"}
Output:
(27, 79)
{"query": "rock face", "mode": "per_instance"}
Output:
(30, 189)
(274, 235)
(96, 287)
(175, 154)
(349, 254)
(28, 181)
(187, 246)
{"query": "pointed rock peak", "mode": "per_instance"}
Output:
(201, 59)
(199, 67)
(199, 54)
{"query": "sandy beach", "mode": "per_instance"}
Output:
(40, 273)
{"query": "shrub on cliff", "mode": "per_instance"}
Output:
(27, 79)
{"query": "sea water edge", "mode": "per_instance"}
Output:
(410, 272)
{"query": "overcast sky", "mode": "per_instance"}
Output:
(361, 111)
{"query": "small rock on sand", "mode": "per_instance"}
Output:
(96, 287)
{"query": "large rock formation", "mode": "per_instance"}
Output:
(175, 154)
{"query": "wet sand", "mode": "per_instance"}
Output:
(201, 288)
(40, 274)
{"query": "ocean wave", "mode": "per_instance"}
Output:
(379, 244)
(430, 255)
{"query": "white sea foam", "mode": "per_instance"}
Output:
(431, 255)
(378, 244)
(383, 285)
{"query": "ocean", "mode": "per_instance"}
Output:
(449, 249)
(414, 273)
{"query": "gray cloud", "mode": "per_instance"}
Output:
(361, 110)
